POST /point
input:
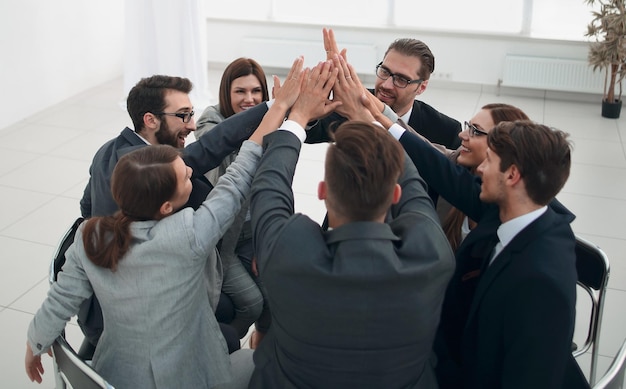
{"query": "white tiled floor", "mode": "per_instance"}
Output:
(44, 163)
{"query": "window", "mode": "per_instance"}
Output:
(550, 19)
(461, 15)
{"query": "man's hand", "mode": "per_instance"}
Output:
(349, 90)
(313, 101)
(284, 98)
(372, 104)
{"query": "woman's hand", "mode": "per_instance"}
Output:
(330, 45)
(34, 368)
(314, 101)
(288, 93)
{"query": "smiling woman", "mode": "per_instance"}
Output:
(243, 86)
(471, 154)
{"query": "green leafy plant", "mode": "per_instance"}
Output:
(608, 50)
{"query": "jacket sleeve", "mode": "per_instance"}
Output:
(226, 137)
(321, 130)
(217, 213)
(271, 200)
(64, 298)
(414, 197)
(451, 181)
(208, 120)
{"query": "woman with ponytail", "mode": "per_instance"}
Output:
(146, 264)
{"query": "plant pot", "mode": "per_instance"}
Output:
(611, 110)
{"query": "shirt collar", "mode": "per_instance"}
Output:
(142, 138)
(507, 231)
(405, 118)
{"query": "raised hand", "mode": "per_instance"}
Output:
(330, 45)
(284, 97)
(374, 106)
(349, 90)
(313, 101)
(287, 94)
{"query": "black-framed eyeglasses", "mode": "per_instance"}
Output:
(473, 130)
(401, 82)
(184, 116)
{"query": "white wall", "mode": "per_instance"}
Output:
(52, 50)
(463, 58)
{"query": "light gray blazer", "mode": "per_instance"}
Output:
(209, 119)
(160, 330)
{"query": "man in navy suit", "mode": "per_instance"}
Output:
(509, 311)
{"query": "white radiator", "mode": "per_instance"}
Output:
(557, 74)
(280, 53)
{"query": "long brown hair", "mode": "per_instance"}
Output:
(240, 67)
(141, 182)
(453, 221)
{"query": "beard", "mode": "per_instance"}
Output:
(166, 137)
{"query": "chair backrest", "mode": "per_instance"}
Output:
(75, 372)
(614, 377)
(59, 256)
(592, 265)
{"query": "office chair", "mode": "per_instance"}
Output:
(59, 256)
(74, 372)
(592, 265)
(58, 260)
(614, 377)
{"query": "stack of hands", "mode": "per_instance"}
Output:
(331, 86)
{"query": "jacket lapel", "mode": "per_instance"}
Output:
(502, 261)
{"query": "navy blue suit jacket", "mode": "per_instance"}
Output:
(512, 326)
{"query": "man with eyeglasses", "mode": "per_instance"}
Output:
(402, 75)
(162, 113)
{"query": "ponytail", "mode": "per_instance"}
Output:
(107, 239)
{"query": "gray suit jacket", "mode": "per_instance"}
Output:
(160, 330)
(355, 307)
(209, 119)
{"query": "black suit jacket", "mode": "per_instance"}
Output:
(426, 120)
(512, 326)
(355, 307)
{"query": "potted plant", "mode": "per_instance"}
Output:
(608, 51)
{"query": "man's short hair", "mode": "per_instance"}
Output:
(148, 95)
(542, 155)
(361, 169)
(415, 48)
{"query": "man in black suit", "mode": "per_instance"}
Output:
(402, 75)
(509, 311)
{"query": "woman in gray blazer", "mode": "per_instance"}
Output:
(146, 265)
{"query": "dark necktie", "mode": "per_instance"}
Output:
(490, 251)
